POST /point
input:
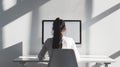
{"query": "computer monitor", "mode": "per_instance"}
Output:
(73, 30)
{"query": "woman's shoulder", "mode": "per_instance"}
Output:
(48, 40)
(67, 38)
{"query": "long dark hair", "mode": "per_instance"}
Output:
(58, 26)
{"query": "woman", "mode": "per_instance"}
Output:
(59, 41)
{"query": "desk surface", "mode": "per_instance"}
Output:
(84, 58)
(96, 58)
(29, 59)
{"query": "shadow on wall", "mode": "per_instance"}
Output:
(21, 8)
(35, 41)
(1, 10)
(88, 9)
(1, 6)
(104, 14)
(1, 39)
(115, 55)
(7, 55)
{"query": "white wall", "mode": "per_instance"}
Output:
(105, 33)
(65, 9)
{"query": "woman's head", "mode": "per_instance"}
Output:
(58, 29)
(59, 25)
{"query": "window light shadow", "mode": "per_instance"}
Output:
(20, 9)
(7, 55)
(101, 16)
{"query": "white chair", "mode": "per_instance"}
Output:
(63, 58)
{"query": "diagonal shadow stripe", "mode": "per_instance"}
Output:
(19, 10)
(101, 16)
(115, 55)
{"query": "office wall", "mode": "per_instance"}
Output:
(16, 17)
(66, 9)
(104, 29)
(20, 21)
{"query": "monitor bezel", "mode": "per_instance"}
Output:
(80, 41)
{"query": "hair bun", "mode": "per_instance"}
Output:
(57, 18)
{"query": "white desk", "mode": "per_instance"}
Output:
(24, 59)
(97, 59)
(84, 58)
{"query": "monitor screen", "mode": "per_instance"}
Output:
(73, 30)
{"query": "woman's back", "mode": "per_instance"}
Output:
(68, 43)
(58, 41)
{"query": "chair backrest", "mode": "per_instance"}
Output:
(63, 58)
